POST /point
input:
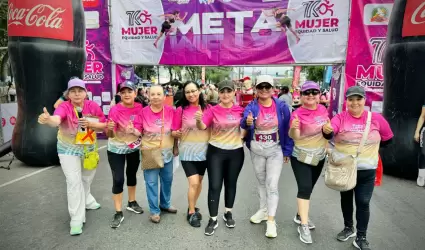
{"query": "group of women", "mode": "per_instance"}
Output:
(211, 138)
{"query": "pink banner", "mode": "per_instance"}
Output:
(366, 46)
(296, 77)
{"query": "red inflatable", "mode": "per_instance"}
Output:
(379, 172)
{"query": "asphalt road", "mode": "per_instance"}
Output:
(34, 215)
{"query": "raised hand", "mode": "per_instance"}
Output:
(44, 117)
(199, 114)
(295, 123)
(130, 128)
(250, 119)
(111, 125)
(327, 128)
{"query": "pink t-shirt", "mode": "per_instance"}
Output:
(69, 126)
(348, 132)
(151, 126)
(225, 126)
(194, 142)
(311, 123)
(266, 124)
(122, 116)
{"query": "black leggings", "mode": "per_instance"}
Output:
(223, 166)
(117, 164)
(306, 176)
(362, 194)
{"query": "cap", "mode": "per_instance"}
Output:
(245, 78)
(310, 85)
(355, 90)
(76, 82)
(226, 84)
(128, 84)
(265, 78)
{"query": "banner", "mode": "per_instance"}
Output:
(8, 119)
(366, 46)
(335, 90)
(98, 70)
(229, 32)
(296, 76)
(124, 73)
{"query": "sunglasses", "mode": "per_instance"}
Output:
(311, 91)
(264, 86)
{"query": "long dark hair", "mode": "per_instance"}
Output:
(185, 103)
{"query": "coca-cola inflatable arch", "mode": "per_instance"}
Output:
(46, 48)
(404, 91)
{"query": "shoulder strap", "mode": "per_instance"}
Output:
(162, 127)
(365, 133)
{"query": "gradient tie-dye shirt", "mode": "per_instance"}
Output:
(266, 124)
(122, 116)
(151, 126)
(225, 126)
(311, 138)
(69, 126)
(348, 132)
(194, 142)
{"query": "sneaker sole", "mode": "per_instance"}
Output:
(301, 239)
(355, 245)
(76, 233)
(134, 211)
(257, 221)
(350, 236)
(299, 223)
(215, 227)
(227, 225)
(271, 236)
(122, 219)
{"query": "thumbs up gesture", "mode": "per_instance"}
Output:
(130, 128)
(44, 117)
(327, 128)
(111, 125)
(250, 119)
(199, 114)
(295, 123)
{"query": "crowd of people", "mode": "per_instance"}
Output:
(208, 132)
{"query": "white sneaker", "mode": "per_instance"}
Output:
(421, 178)
(259, 216)
(271, 229)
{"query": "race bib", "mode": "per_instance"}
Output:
(135, 144)
(266, 137)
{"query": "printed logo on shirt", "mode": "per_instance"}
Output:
(158, 122)
(230, 117)
(358, 128)
(320, 121)
(268, 117)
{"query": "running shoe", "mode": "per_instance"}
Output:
(271, 231)
(361, 243)
(297, 219)
(133, 206)
(259, 216)
(212, 225)
(305, 235)
(117, 219)
(228, 218)
(346, 233)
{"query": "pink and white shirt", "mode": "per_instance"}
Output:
(225, 126)
(348, 132)
(122, 116)
(266, 123)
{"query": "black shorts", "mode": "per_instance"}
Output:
(166, 26)
(285, 21)
(194, 167)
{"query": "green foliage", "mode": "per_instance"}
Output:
(217, 74)
(193, 73)
(3, 23)
(145, 72)
(285, 82)
(315, 73)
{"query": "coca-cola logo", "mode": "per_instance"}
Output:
(418, 16)
(41, 18)
(414, 18)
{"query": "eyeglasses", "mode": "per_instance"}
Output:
(311, 91)
(264, 86)
(191, 91)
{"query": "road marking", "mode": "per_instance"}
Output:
(34, 173)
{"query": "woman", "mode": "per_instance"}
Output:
(166, 25)
(348, 128)
(308, 156)
(284, 22)
(193, 146)
(225, 153)
(141, 98)
(267, 138)
(122, 149)
(78, 179)
(156, 126)
(419, 137)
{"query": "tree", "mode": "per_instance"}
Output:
(3, 23)
(145, 72)
(217, 74)
(315, 73)
(177, 72)
(194, 73)
(285, 82)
